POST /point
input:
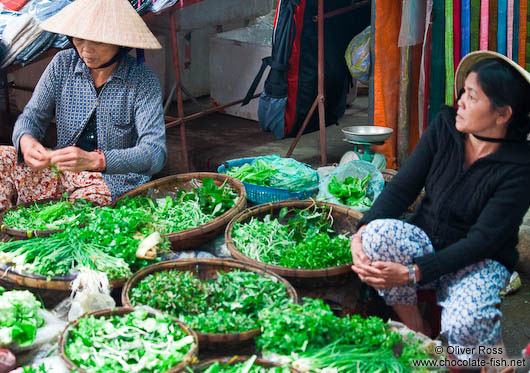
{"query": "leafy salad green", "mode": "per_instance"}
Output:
(248, 366)
(19, 317)
(134, 342)
(353, 191)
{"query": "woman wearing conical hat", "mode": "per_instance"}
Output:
(107, 107)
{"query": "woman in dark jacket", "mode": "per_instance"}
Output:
(474, 164)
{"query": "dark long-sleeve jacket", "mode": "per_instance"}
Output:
(469, 214)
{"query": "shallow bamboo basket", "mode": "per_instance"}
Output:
(188, 359)
(344, 221)
(192, 238)
(231, 360)
(206, 269)
(20, 234)
(51, 291)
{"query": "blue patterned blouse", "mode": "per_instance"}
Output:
(130, 119)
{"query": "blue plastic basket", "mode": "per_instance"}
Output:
(263, 194)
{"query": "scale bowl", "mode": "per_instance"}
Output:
(367, 133)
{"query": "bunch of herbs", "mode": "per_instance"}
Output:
(353, 191)
(227, 304)
(248, 366)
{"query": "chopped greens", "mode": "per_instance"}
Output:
(48, 215)
(135, 342)
(228, 304)
(19, 317)
(353, 191)
(248, 366)
(305, 241)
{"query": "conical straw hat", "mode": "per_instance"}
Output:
(106, 21)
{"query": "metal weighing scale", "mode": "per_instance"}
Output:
(363, 139)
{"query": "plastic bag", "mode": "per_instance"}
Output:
(357, 169)
(292, 175)
(90, 292)
(358, 56)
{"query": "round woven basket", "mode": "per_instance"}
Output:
(51, 290)
(19, 234)
(344, 221)
(188, 359)
(206, 269)
(191, 238)
(231, 360)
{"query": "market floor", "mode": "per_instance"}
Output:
(216, 138)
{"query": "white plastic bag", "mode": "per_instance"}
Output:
(357, 169)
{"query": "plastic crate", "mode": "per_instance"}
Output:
(262, 194)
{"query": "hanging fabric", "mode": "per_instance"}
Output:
(449, 63)
(386, 73)
(492, 40)
(465, 21)
(502, 14)
(437, 76)
(515, 43)
(457, 29)
(484, 23)
(509, 30)
(475, 19)
(527, 39)
(423, 85)
(523, 5)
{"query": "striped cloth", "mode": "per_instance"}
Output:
(509, 30)
(449, 63)
(515, 43)
(522, 32)
(502, 17)
(492, 39)
(457, 30)
(437, 75)
(465, 21)
(475, 20)
(484, 23)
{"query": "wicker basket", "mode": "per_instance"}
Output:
(191, 238)
(19, 234)
(345, 221)
(51, 291)
(264, 194)
(231, 360)
(188, 359)
(206, 269)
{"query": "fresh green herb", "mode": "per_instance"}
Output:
(49, 215)
(352, 191)
(19, 317)
(188, 209)
(30, 369)
(304, 241)
(318, 339)
(228, 304)
(244, 367)
(135, 342)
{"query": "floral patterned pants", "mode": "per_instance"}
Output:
(468, 297)
(20, 183)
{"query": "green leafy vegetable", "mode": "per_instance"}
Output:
(19, 317)
(352, 191)
(228, 304)
(304, 241)
(135, 342)
(244, 367)
(49, 215)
